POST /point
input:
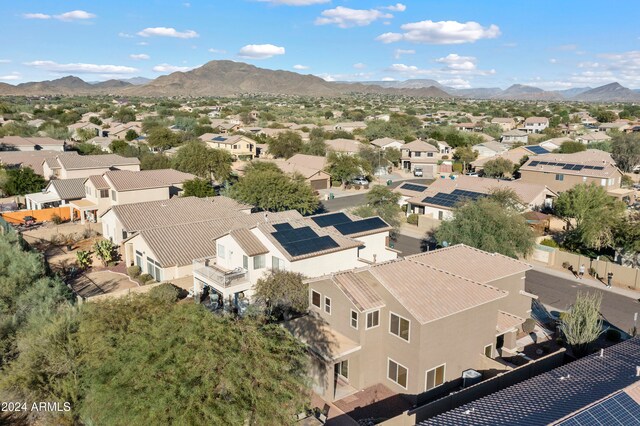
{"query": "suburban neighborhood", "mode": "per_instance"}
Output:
(236, 243)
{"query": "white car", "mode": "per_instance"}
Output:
(359, 180)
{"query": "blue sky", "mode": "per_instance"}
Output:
(461, 43)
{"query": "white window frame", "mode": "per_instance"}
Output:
(444, 375)
(319, 305)
(222, 251)
(327, 298)
(485, 350)
(399, 365)
(408, 339)
(340, 368)
(245, 262)
(257, 261)
(366, 326)
(357, 319)
(280, 263)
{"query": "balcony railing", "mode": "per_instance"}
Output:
(207, 270)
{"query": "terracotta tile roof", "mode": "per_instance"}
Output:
(248, 242)
(360, 289)
(471, 263)
(429, 293)
(507, 321)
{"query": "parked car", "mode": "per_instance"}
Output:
(472, 174)
(417, 172)
(359, 180)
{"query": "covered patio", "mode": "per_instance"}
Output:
(84, 210)
(42, 200)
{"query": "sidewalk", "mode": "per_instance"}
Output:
(537, 266)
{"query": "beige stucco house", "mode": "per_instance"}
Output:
(237, 145)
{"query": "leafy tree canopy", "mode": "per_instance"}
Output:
(570, 147)
(625, 150)
(286, 144)
(22, 181)
(498, 168)
(200, 160)
(198, 188)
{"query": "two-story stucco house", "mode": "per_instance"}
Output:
(535, 124)
(77, 166)
(239, 146)
(421, 155)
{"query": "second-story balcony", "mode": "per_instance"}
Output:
(207, 271)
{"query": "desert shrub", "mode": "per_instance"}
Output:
(528, 325)
(83, 258)
(348, 186)
(412, 219)
(165, 292)
(356, 187)
(144, 279)
(457, 167)
(366, 186)
(549, 243)
(566, 265)
(88, 233)
(55, 218)
(593, 272)
(134, 271)
(613, 335)
(336, 183)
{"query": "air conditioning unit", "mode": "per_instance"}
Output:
(470, 378)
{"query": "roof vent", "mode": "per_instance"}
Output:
(568, 376)
(601, 353)
(637, 370)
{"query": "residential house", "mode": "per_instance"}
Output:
(420, 155)
(85, 126)
(343, 146)
(514, 137)
(316, 178)
(224, 126)
(412, 324)
(515, 155)
(535, 124)
(58, 192)
(31, 159)
(349, 126)
(467, 127)
(239, 146)
(505, 123)
(554, 143)
(101, 142)
(444, 148)
(618, 125)
(599, 389)
(19, 143)
(593, 137)
(74, 166)
(409, 190)
(561, 172)
(442, 196)
(490, 149)
(120, 131)
(384, 143)
(126, 187)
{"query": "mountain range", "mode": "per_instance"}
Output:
(226, 78)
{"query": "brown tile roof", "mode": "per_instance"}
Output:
(69, 189)
(507, 321)
(99, 182)
(32, 159)
(472, 263)
(359, 287)
(311, 161)
(248, 242)
(420, 146)
(22, 141)
(532, 120)
(167, 176)
(382, 142)
(590, 157)
(95, 161)
(125, 180)
(429, 293)
(343, 145)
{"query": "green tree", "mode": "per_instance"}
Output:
(570, 147)
(582, 325)
(85, 134)
(198, 188)
(155, 162)
(272, 190)
(466, 154)
(286, 144)
(315, 147)
(95, 120)
(22, 181)
(125, 115)
(498, 167)
(625, 150)
(488, 225)
(393, 155)
(383, 202)
(162, 138)
(131, 135)
(626, 236)
(590, 214)
(282, 292)
(200, 160)
(105, 251)
(606, 116)
(343, 167)
(493, 130)
(118, 146)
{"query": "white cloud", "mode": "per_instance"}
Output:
(345, 17)
(260, 51)
(139, 56)
(36, 16)
(398, 7)
(220, 51)
(553, 60)
(142, 43)
(622, 67)
(442, 32)
(125, 35)
(359, 66)
(170, 68)
(301, 67)
(81, 68)
(566, 47)
(360, 76)
(167, 32)
(388, 79)
(11, 77)
(457, 83)
(403, 68)
(295, 2)
(5, 61)
(400, 52)
(74, 15)
(456, 62)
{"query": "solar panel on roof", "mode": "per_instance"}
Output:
(598, 168)
(294, 234)
(619, 409)
(219, 138)
(537, 149)
(363, 225)
(314, 245)
(450, 200)
(330, 219)
(534, 163)
(413, 187)
(282, 226)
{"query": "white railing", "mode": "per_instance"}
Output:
(207, 270)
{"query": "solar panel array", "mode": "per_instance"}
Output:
(620, 409)
(219, 139)
(282, 226)
(330, 219)
(449, 200)
(413, 187)
(565, 166)
(364, 225)
(301, 241)
(537, 149)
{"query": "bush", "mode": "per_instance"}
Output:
(549, 243)
(366, 186)
(165, 292)
(613, 335)
(529, 325)
(356, 187)
(348, 186)
(55, 218)
(404, 207)
(566, 265)
(144, 279)
(593, 272)
(457, 167)
(336, 183)
(134, 271)
(412, 219)
(83, 258)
